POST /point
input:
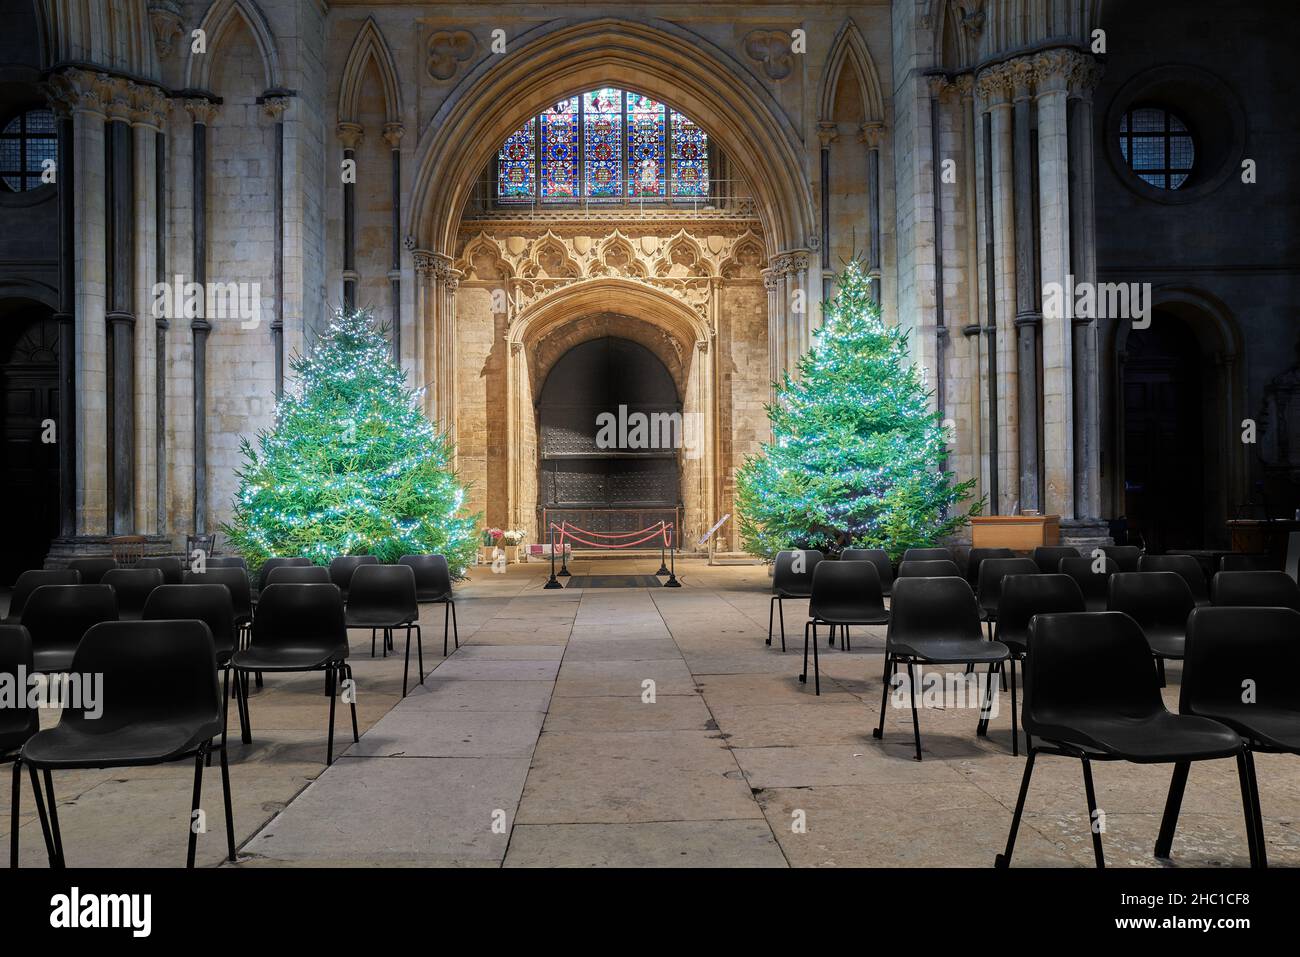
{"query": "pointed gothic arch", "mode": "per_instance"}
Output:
(369, 47)
(850, 48)
(221, 17)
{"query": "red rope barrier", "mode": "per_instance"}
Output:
(661, 530)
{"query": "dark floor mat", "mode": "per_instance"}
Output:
(614, 581)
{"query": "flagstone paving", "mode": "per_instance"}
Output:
(642, 727)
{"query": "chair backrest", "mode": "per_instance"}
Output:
(1293, 556)
(1152, 598)
(928, 555)
(1185, 565)
(1048, 557)
(933, 608)
(1247, 562)
(209, 603)
(1125, 556)
(271, 564)
(127, 549)
(1085, 665)
(226, 561)
(927, 568)
(977, 556)
(236, 582)
(17, 721)
(993, 570)
(878, 557)
(29, 581)
(1228, 647)
(432, 575)
(155, 672)
(92, 569)
(1256, 589)
(1095, 585)
(299, 575)
(170, 566)
(132, 586)
(1024, 596)
(387, 587)
(57, 616)
(302, 615)
(792, 575)
(207, 544)
(849, 589)
(341, 568)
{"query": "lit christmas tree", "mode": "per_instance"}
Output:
(857, 454)
(352, 466)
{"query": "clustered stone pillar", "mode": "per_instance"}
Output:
(202, 110)
(1028, 317)
(827, 134)
(419, 364)
(393, 137)
(872, 135)
(274, 103)
(121, 313)
(350, 135)
(65, 317)
(774, 283)
(446, 279)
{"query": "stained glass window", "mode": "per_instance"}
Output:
(1157, 146)
(602, 117)
(517, 165)
(26, 142)
(645, 146)
(606, 144)
(690, 158)
(559, 146)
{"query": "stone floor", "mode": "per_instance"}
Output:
(641, 727)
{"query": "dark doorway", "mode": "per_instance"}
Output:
(29, 465)
(603, 486)
(1164, 435)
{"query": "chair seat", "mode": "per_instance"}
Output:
(1166, 642)
(1273, 727)
(52, 660)
(288, 657)
(429, 595)
(153, 742)
(850, 616)
(1152, 739)
(943, 651)
(378, 618)
(788, 593)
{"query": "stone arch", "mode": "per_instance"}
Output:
(369, 47)
(616, 257)
(549, 258)
(746, 259)
(482, 260)
(657, 57)
(849, 53)
(683, 258)
(220, 18)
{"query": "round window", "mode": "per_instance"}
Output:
(1157, 146)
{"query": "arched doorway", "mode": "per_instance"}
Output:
(610, 423)
(29, 460)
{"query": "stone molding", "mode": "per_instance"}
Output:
(350, 135)
(201, 109)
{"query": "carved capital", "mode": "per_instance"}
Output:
(1020, 73)
(273, 107)
(939, 84)
(350, 135)
(393, 134)
(77, 91)
(423, 262)
(149, 106)
(827, 133)
(965, 84)
(201, 109)
(772, 277)
(165, 21)
(1051, 70)
(994, 86)
(1085, 74)
(872, 134)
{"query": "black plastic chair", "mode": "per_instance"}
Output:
(1160, 603)
(382, 598)
(935, 621)
(132, 587)
(92, 569)
(843, 594)
(1023, 597)
(928, 555)
(878, 557)
(17, 722)
(162, 704)
(211, 604)
(1094, 584)
(1048, 557)
(170, 566)
(928, 568)
(1225, 647)
(241, 601)
(57, 616)
(29, 581)
(992, 571)
(1256, 589)
(299, 628)
(1184, 565)
(224, 561)
(1244, 562)
(978, 556)
(1071, 713)
(787, 582)
(271, 564)
(341, 569)
(1292, 566)
(299, 575)
(433, 586)
(1125, 556)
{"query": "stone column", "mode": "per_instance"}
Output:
(393, 137)
(120, 316)
(202, 111)
(423, 323)
(350, 135)
(1051, 79)
(63, 104)
(774, 283)
(1028, 318)
(872, 135)
(446, 279)
(971, 130)
(939, 85)
(827, 133)
(273, 106)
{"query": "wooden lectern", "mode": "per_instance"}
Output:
(1021, 533)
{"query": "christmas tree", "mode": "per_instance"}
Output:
(857, 455)
(352, 466)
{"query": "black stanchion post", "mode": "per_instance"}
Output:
(564, 555)
(672, 574)
(551, 582)
(663, 559)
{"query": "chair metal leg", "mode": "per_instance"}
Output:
(373, 639)
(878, 732)
(455, 631)
(1248, 809)
(1093, 821)
(986, 705)
(45, 821)
(247, 723)
(259, 680)
(329, 747)
(780, 613)
(1004, 859)
(13, 812)
(194, 804)
(55, 833)
(916, 721)
(846, 642)
(1254, 800)
(446, 620)
(803, 675)
(817, 669)
(771, 607)
(1015, 728)
(1173, 803)
(347, 670)
(225, 793)
(419, 647)
(406, 665)
(830, 639)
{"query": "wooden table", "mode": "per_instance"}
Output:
(1021, 533)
